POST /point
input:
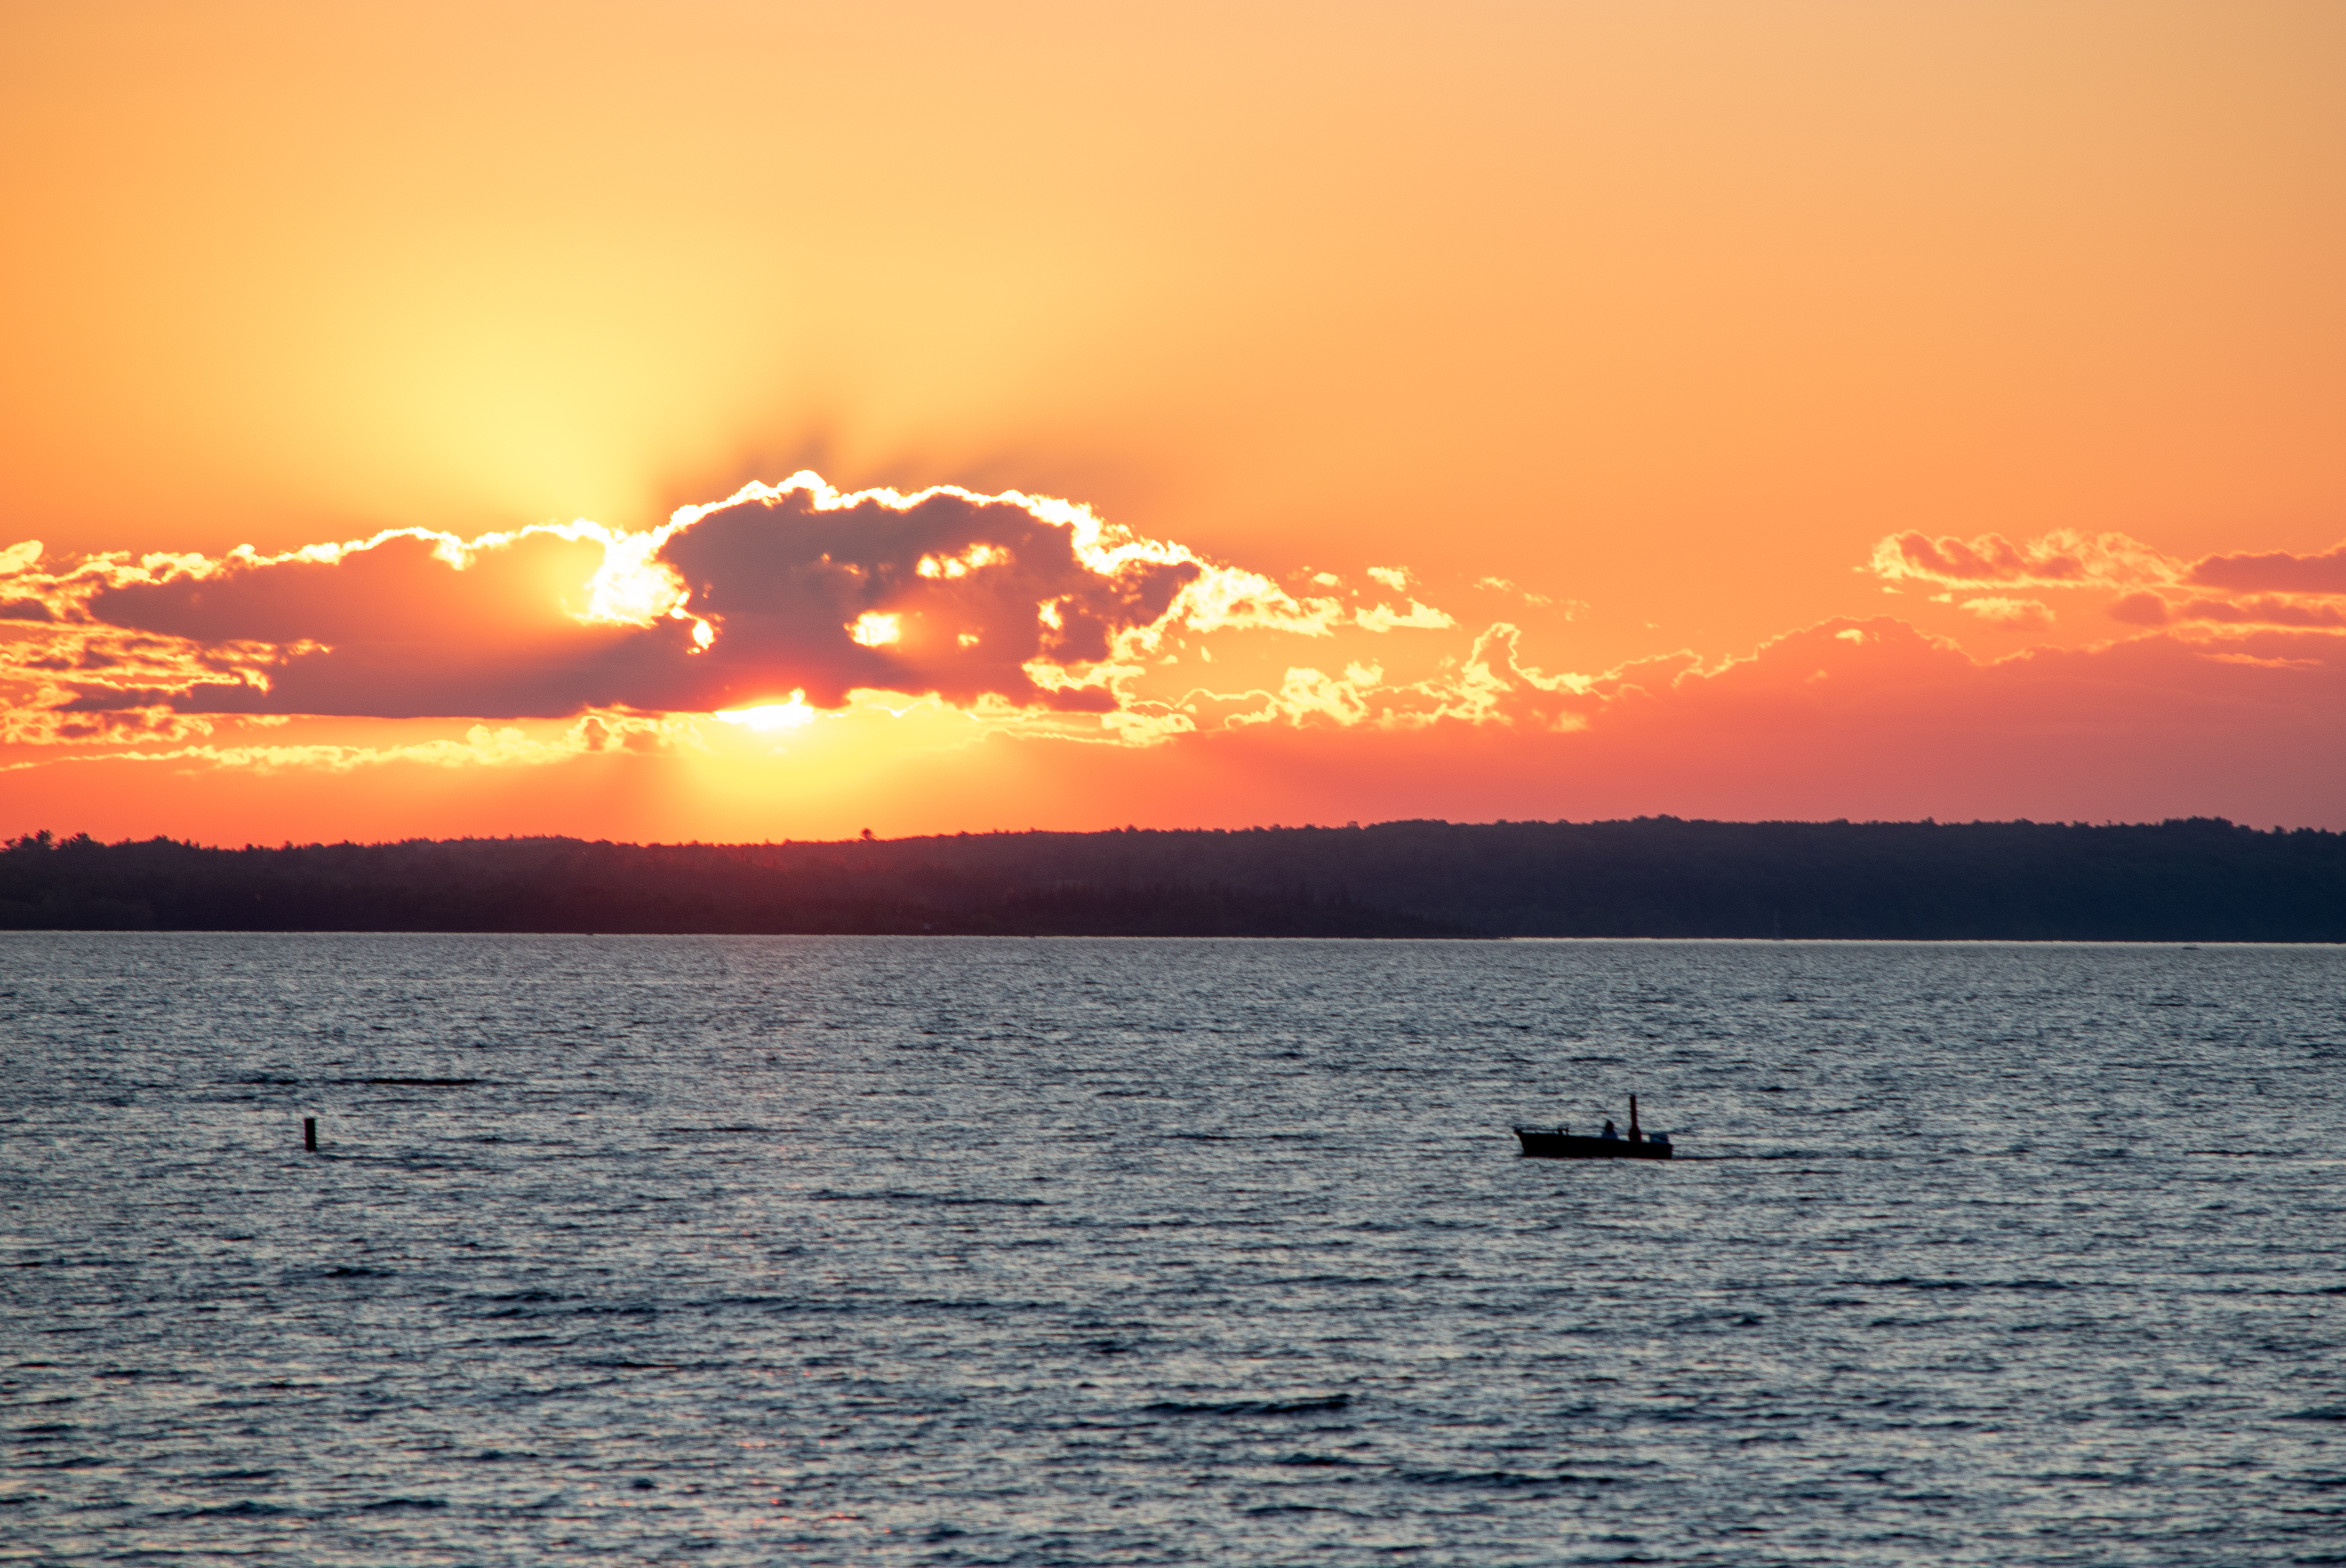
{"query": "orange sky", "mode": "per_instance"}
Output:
(1847, 409)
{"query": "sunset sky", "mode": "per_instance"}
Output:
(734, 421)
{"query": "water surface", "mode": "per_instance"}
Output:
(748, 1250)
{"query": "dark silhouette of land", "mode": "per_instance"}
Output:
(2202, 879)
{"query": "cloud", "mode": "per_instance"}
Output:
(2008, 612)
(1386, 618)
(1860, 689)
(794, 587)
(1573, 609)
(2275, 571)
(790, 597)
(2272, 589)
(508, 746)
(2149, 609)
(1025, 616)
(1490, 685)
(124, 727)
(780, 592)
(1307, 693)
(1231, 598)
(1892, 724)
(2067, 559)
(2062, 559)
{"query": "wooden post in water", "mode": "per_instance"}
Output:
(310, 1134)
(1633, 1118)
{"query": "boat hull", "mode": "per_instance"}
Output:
(1549, 1146)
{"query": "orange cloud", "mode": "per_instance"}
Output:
(2148, 609)
(2010, 611)
(2276, 570)
(856, 627)
(794, 587)
(2273, 588)
(508, 745)
(2066, 559)
(788, 598)
(1862, 718)
(1888, 723)
(2061, 559)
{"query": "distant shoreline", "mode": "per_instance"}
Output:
(2199, 879)
(1916, 941)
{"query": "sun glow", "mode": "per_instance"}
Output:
(792, 715)
(630, 587)
(877, 628)
(963, 564)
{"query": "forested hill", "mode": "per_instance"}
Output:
(2200, 879)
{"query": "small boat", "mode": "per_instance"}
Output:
(1562, 1144)
(1558, 1144)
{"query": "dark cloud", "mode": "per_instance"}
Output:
(966, 581)
(1989, 559)
(949, 595)
(2274, 571)
(2148, 609)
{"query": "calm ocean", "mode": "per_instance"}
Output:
(750, 1250)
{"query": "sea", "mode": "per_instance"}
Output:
(967, 1251)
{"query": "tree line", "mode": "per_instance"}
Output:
(2196, 880)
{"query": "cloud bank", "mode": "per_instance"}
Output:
(784, 605)
(1026, 602)
(2274, 589)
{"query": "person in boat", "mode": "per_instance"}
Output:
(1608, 1131)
